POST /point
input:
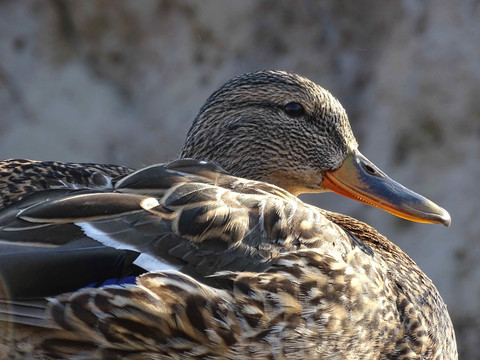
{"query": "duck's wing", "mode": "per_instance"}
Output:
(43, 261)
(187, 215)
(171, 314)
(311, 303)
(306, 304)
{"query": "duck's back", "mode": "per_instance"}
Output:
(20, 177)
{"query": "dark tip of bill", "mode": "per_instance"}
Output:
(445, 218)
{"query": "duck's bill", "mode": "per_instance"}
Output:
(359, 179)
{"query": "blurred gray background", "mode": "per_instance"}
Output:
(120, 82)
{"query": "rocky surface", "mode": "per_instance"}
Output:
(121, 81)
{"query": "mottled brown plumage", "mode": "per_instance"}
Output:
(20, 177)
(247, 270)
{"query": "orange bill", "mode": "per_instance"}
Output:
(359, 179)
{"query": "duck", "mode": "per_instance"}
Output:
(213, 255)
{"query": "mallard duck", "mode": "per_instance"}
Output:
(213, 256)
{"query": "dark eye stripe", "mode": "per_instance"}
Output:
(294, 109)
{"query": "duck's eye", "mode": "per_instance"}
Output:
(294, 109)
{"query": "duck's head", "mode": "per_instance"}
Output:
(286, 130)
